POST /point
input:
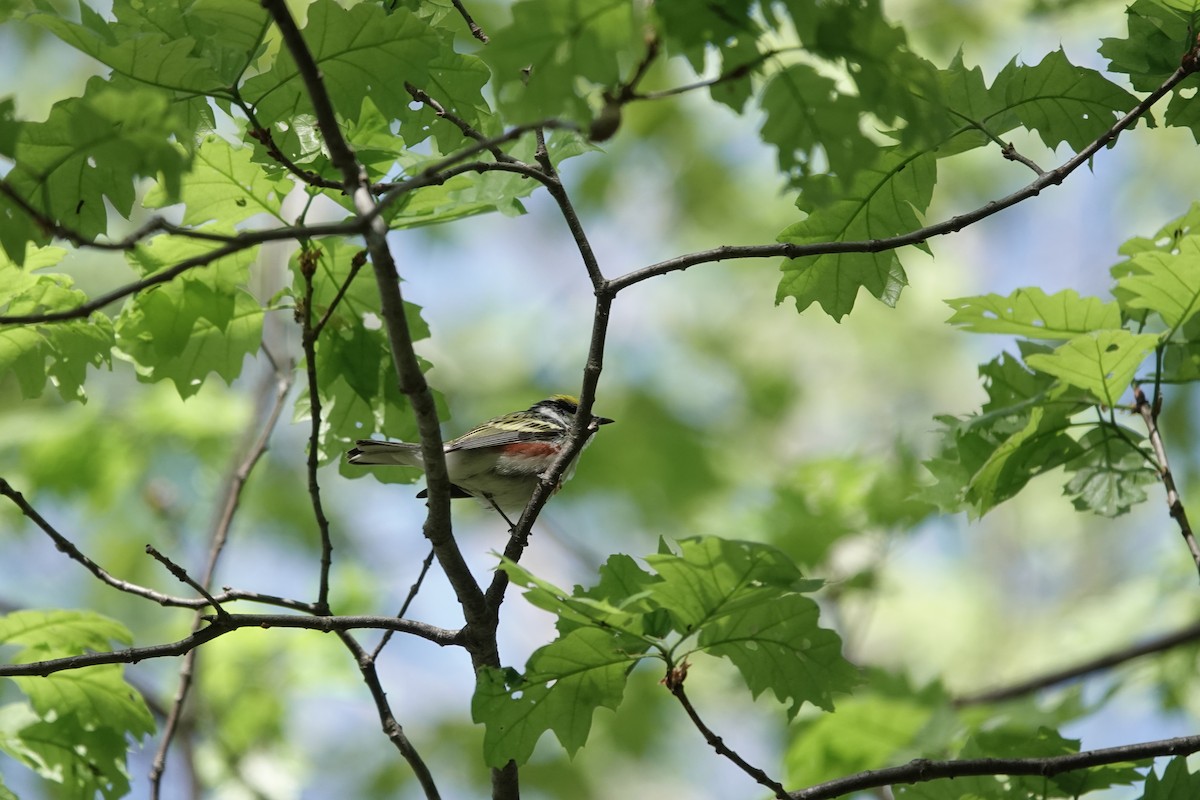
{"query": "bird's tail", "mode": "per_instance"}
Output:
(371, 451)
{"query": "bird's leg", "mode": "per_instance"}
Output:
(511, 526)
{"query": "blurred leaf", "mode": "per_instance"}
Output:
(75, 731)
(825, 500)
(866, 733)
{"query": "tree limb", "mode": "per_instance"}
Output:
(1186, 635)
(218, 627)
(922, 770)
(1149, 414)
(235, 481)
(952, 225)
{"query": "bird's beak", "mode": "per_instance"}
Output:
(601, 420)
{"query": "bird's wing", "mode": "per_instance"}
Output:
(504, 430)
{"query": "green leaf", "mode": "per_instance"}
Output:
(81, 760)
(58, 352)
(1176, 783)
(199, 323)
(97, 695)
(362, 52)
(1063, 102)
(226, 186)
(806, 115)
(138, 48)
(1020, 433)
(967, 97)
(885, 200)
(777, 644)
(1101, 363)
(743, 599)
(91, 150)
(1111, 474)
(564, 683)
(49, 634)
(602, 606)
(1031, 312)
(551, 49)
(1158, 37)
(710, 577)
(1167, 283)
(76, 729)
(359, 393)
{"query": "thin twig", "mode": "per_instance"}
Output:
(922, 770)
(732, 74)
(481, 643)
(674, 682)
(65, 545)
(387, 719)
(1085, 668)
(464, 127)
(182, 575)
(476, 31)
(218, 627)
(584, 426)
(1149, 414)
(235, 481)
(356, 264)
(1009, 151)
(234, 243)
(262, 134)
(308, 338)
(412, 595)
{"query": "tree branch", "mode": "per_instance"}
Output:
(1149, 414)
(391, 726)
(235, 481)
(412, 380)
(438, 529)
(476, 31)
(233, 244)
(218, 627)
(952, 225)
(674, 682)
(922, 771)
(1107, 661)
(308, 339)
(583, 426)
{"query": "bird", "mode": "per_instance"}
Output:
(498, 462)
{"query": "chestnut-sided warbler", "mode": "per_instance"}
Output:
(499, 462)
